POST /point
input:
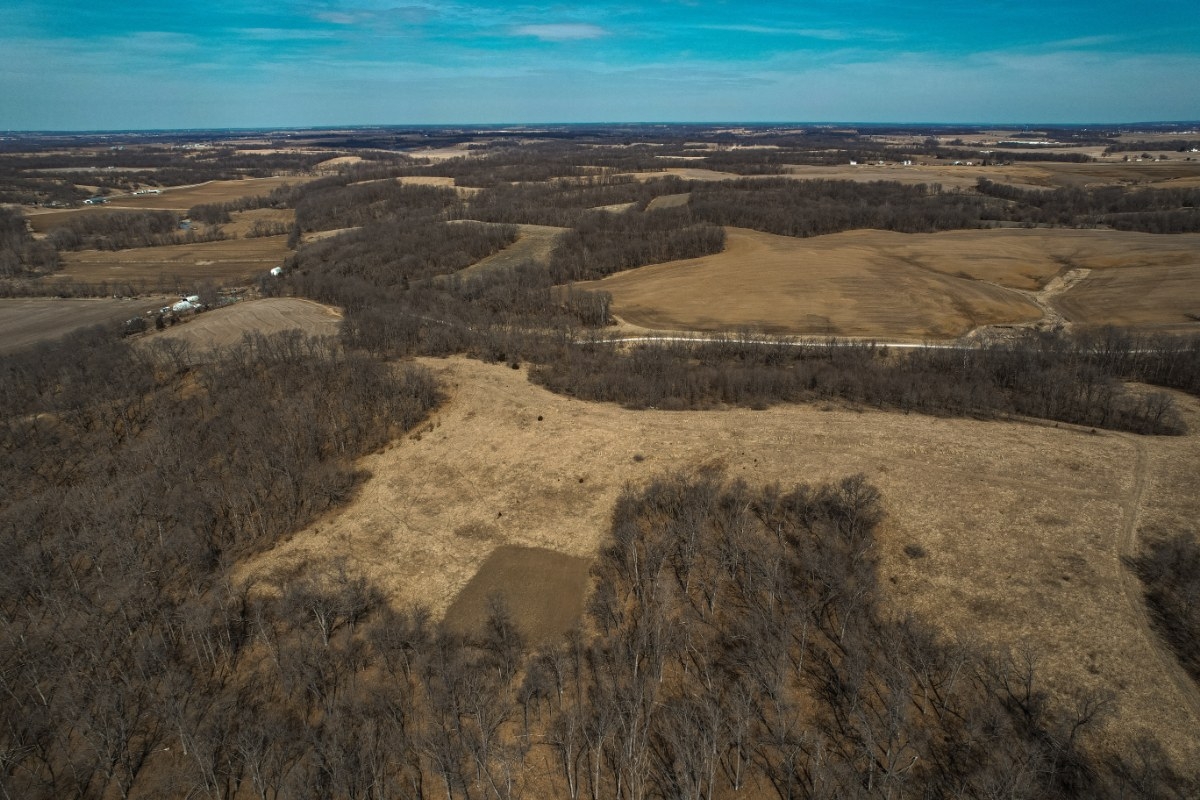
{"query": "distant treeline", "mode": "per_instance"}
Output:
(811, 208)
(1148, 210)
(565, 203)
(990, 157)
(1141, 146)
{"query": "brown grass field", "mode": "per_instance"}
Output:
(893, 285)
(1024, 526)
(181, 198)
(243, 221)
(669, 201)
(847, 285)
(26, 321)
(224, 327)
(183, 264)
(533, 244)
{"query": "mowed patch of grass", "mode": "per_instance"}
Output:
(1006, 534)
(184, 264)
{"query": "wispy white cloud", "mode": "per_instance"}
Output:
(824, 34)
(562, 32)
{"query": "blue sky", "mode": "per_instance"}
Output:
(127, 64)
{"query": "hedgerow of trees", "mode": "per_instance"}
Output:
(20, 253)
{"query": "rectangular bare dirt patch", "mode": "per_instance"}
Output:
(543, 590)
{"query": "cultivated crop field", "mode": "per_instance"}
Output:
(229, 260)
(26, 321)
(884, 284)
(1019, 529)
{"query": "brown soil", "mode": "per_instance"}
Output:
(27, 321)
(542, 589)
(1023, 526)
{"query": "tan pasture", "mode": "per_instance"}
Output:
(1023, 526)
(229, 260)
(332, 164)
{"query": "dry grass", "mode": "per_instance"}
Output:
(27, 321)
(669, 201)
(850, 284)
(885, 284)
(534, 244)
(332, 164)
(1157, 297)
(243, 221)
(181, 198)
(1021, 525)
(183, 265)
(426, 180)
(224, 327)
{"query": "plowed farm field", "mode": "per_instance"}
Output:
(182, 265)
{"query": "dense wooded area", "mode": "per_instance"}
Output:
(131, 482)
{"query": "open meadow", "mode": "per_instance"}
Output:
(999, 532)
